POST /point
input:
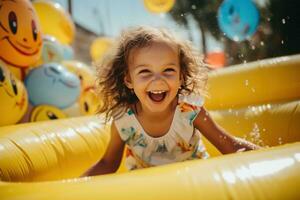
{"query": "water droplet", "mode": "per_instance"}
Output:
(262, 43)
(182, 14)
(283, 21)
(268, 19)
(246, 82)
(280, 140)
(282, 42)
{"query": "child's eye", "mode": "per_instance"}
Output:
(144, 71)
(169, 70)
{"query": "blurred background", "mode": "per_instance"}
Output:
(277, 32)
(47, 48)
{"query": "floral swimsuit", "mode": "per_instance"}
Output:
(182, 141)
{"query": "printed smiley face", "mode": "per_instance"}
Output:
(46, 112)
(89, 102)
(20, 35)
(14, 100)
(52, 84)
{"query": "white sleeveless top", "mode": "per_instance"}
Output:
(182, 141)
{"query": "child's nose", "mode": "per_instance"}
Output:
(158, 78)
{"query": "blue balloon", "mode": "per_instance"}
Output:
(52, 50)
(52, 84)
(238, 19)
(68, 52)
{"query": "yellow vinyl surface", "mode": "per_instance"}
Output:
(43, 160)
(260, 82)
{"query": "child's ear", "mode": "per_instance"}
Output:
(128, 82)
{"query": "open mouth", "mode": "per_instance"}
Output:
(157, 96)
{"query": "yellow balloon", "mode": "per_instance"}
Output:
(159, 6)
(46, 112)
(55, 21)
(86, 74)
(73, 110)
(13, 97)
(20, 33)
(89, 101)
(99, 47)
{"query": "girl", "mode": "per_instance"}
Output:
(152, 87)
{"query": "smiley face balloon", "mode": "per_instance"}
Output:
(20, 35)
(89, 101)
(55, 20)
(52, 84)
(13, 95)
(52, 50)
(159, 6)
(85, 73)
(99, 47)
(238, 19)
(45, 113)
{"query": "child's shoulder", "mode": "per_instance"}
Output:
(188, 103)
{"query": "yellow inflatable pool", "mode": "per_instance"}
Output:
(259, 101)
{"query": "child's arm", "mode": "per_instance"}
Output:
(112, 157)
(223, 141)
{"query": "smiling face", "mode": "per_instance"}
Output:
(154, 75)
(13, 97)
(20, 36)
(52, 84)
(45, 113)
(89, 102)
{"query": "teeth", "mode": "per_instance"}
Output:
(158, 91)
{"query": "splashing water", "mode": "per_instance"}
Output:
(255, 136)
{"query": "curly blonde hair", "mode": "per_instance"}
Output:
(116, 98)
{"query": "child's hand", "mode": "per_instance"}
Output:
(223, 141)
